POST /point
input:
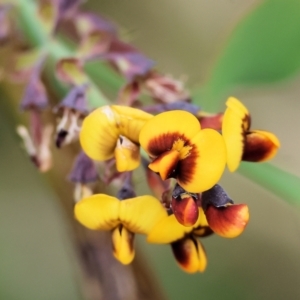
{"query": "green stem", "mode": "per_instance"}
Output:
(283, 184)
(57, 49)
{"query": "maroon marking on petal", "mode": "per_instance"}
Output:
(246, 123)
(186, 167)
(185, 210)
(257, 147)
(228, 221)
(164, 142)
(182, 252)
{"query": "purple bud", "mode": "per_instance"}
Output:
(35, 96)
(75, 100)
(84, 170)
(129, 62)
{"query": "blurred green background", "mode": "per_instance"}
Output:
(185, 39)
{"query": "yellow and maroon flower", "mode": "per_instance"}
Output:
(187, 249)
(123, 217)
(180, 149)
(113, 131)
(185, 206)
(243, 143)
(223, 217)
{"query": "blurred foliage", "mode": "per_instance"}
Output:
(263, 48)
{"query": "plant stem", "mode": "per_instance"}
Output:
(37, 36)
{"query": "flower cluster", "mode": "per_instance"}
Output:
(184, 163)
(184, 151)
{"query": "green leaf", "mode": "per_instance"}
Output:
(283, 184)
(263, 48)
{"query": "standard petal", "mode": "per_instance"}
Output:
(190, 254)
(260, 146)
(141, 214)
(204, 167)
(123, 248)
(229, 221)
(159, 134)
(236, 121)
(98, 212)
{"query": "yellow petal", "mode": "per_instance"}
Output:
(140, 214)
(130, 121)
(123, 248)
(127, 155)
(203, 228)
(190, 254)
(204, 167)
(168, 230)
(165, 164)
(99, 134)
(236, 122)
(239, 108)
(260, 146)
(98, 212)
(102, 128)
(229, 221)
(159, 133)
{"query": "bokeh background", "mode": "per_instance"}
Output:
(185, 38)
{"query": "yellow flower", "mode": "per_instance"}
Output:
(180, 149)
(113, 131)
(188, 251)
(243, 143)
(123, 217)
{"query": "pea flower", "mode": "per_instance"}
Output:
(73, 109)
(113, 131)
(223, 216)
(187, 249)
(243, 143)
(123, 218)
(180, 149)
(37, 139)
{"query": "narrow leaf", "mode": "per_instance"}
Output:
(263, 48)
